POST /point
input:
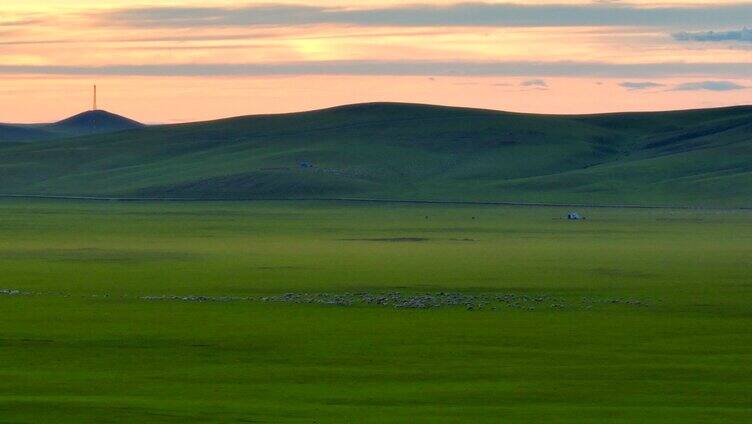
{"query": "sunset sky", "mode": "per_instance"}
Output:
(173, 61)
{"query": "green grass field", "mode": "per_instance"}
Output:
(79, 344)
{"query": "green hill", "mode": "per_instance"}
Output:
(93, 122)
(86, 123)
(406, 151)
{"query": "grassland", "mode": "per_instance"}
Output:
(402, 151)
(83, 346)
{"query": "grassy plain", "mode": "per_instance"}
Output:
(70, 354)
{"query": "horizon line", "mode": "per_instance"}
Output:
(346, 105)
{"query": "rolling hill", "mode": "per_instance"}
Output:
(22, 134)
(91, 122)
(407, 151)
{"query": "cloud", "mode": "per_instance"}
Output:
(709, 86)
(405, 68)
(422, 15)
(743, 35)
(534, 83)
(218, 16)
(20, 22)
(643, 85)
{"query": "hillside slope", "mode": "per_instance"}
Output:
(405, 151)
(21, 134)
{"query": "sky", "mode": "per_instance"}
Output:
(165, 61)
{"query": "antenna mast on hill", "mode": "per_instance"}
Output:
(95, 97)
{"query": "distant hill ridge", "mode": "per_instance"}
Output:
(92, 122)
(401, 151)
(18, 134)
